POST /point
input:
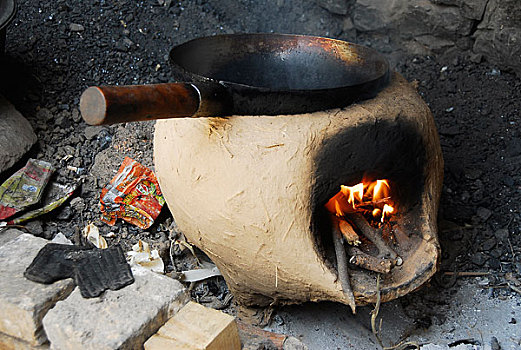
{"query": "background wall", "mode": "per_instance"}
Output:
(485, 29)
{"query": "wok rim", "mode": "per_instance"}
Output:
(380, 79)
(8, 10)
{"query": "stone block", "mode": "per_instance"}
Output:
(24, 303)
(197, 327)
(16, 135)
(121, 319)
(8, 235)
(12, 343)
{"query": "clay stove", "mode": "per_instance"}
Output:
(252, 192)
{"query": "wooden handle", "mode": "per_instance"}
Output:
(120, 104)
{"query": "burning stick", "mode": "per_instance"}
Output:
(341, 261)
(369, 262)
(374, 235)
(349, 233)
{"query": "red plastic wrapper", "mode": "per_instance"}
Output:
(132, 195)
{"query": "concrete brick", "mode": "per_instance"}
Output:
(23, 302)
(121, 319)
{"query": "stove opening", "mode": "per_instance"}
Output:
(367, 191)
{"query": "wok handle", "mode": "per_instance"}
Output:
(102, 105)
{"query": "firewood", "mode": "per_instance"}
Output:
(369, 262)
(348, 232)
(341, 261)
(374, 235)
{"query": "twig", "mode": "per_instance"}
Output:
(385, 200)
(466, 273)
(513, 282)
(374, 314)
(514, 288)
(512, 251)
(376, 310)
(170, 252)
(374, 235)
(341, 261)
(369, 262)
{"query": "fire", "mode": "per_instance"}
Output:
(370, 198)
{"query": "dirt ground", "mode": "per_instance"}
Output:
(56, 49)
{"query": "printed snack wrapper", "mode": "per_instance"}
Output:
(24, 188)
(132, 195)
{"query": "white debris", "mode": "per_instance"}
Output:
(61, 239)
(92, 233)
(142, 255)
(208, 270)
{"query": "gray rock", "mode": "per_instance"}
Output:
(75, 114)
(340, 7)
(494, 344)
(479, 259)
(434, 43)
(35, 227)
(24, 303)
(16, 135)
(372, 15)
(78, 204)
(292, 343)
(426, 18)
(499, 34)
(8, 235)
(74, 27)
(92, 131)
(501, 234)
(121, 319)
(473, 9)
(483, 213)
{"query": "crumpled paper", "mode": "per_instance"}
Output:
(91, 232)
(142, 255)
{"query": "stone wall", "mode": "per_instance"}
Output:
(489, 29)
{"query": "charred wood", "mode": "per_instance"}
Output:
(342, 268)
(374, 235)
(369, 262)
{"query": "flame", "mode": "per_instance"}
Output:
(338, 209)
(386, 211)
(371, 198)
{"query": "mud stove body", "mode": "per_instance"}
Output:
(250, 192)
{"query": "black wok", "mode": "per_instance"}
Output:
(248, 74)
